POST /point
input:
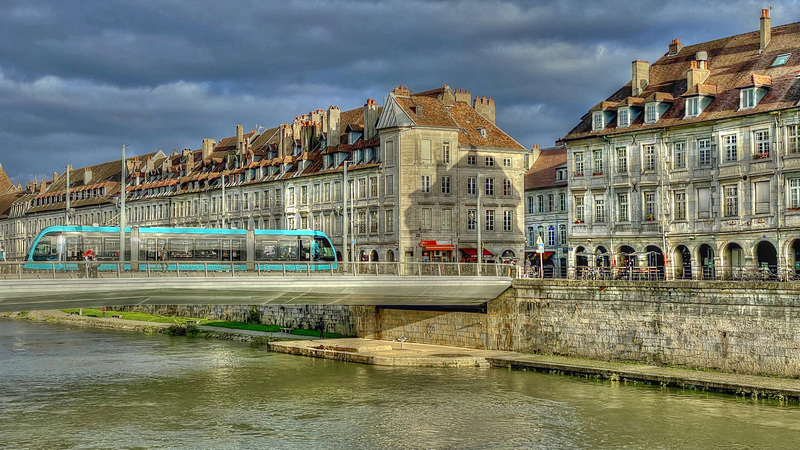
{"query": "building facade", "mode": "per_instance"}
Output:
(389, 183)
(546, 211)
(692, 169)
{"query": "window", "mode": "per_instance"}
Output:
(679, 154)
(389, 220)
(489, 220)
(446, 184)
(651, 113)
(561, 174)
(579, 209)
(540, 233)
(551, 235)
(623, 117)
(472, 160)
(472, 184)
(649, 157)
(761, 141)
(680, 205)
(578, 163)
(540, 198)
(507, 220)
(531, 240)
(598, 121)
(703, 203)
(599, 208)
(426, 219)
(550, 202)
(373, 222)
(793, 135)
(731, 201)
(426, 151)
(426, 183)
(781, 60)
(562, 234)
(794, 193)
(290, 197)
(622, 160)
(762, 197)
(530, 204)
(507, 162)
(563, 201)
(447, 219)
(489, 187)
(472, 220)
(389, 184)
(704, 152)
(317, 193)
(507, 191)
(598, 163)
(290, 223)
(730, 147)
(362, 188)
(622, 210)
(446, 152)
(389, 152)
(692, 107)
(747, 98)
(490, 161)
(362, 222)
(373, 186)
(649, 205)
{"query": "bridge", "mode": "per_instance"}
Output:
(81, 284)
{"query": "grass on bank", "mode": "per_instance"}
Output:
(143, 317)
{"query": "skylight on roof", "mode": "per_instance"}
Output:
(781, 60)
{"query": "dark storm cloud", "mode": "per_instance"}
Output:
(80, 78)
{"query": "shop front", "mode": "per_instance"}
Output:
(471, 255)
(437, 251)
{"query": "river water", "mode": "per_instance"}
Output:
(64, 386)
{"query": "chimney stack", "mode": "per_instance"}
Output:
(87, 176)
(240, 145)
(334, 130)
(485, 107)
(698, 72)
(463, 95)
(766, 29)
(640, 77)
(208, 147)
(675, 47)
(370, 119)
(535, 153)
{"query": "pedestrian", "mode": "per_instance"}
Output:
(3, 253)
(104, 311)
(321, 328)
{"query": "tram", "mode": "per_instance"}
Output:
(183, 249)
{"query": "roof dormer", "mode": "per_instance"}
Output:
(753, 90)
(697, 99)
(656, 105)
(602, 114)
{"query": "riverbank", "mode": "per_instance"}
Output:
(407, 354)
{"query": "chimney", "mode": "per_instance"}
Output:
(285, 145)
(697, 73)
(150, 164)
(674, 47)
(766, 29)
(463, 95)
(55, 174)
(370, 119)
(240, 145)
(87, 176)
(485, 107)
(640, 77)
(334, 130)
(535, 153)
(208, 147)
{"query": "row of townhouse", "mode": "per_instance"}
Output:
(414, 172)
(694, 166)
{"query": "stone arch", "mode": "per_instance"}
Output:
(655, 260)
(390, 255)
(602, 257)
(581, 257)
(682, 261)
(766, 257)
(373, 256)
(733, 259)
(705, 257)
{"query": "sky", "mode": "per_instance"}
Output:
(80, 78)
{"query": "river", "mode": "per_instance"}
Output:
(65, 386)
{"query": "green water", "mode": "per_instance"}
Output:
(70, 387)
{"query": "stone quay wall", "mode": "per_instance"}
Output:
(337, 319)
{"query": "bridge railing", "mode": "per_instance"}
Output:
(162, 269)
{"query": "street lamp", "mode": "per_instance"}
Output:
(478, 213)
(345, 224)
(123, 182)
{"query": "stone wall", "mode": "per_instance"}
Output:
(749, 328)
(337, 319)
(459, 329)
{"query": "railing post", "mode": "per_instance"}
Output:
(233, 269)
(54, 271)
(119, 274)
(377, 271)
(283, 265)
(148, 270)
(177, 270)
(19, 270)
(308, 269)
(205, 269)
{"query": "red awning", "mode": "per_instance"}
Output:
(472, 252)
(437, 245)
(545, 255)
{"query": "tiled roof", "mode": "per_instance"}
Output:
(6, 200)
(5, 181)
(733, 62)
(543, 171)
(470, 121)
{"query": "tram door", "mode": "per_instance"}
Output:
(153, 249)
(233, 249)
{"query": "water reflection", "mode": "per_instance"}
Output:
(76, 387)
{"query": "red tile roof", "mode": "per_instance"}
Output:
(543, 171)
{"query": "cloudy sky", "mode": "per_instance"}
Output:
(79, 78)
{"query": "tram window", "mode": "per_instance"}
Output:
(287, 249)
(109, 251)
(207, 249)
(93, 243)
(180, 249)
(232, 250)
(305, 248)
(324, 250)
(266, 250)
(46, 249)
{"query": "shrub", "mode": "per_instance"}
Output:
(253, 316)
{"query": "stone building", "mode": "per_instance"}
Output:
(693, 167)
(546, 212)
(411, 169)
